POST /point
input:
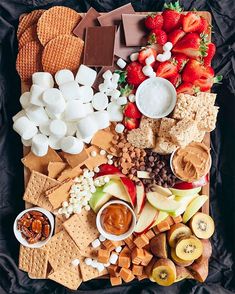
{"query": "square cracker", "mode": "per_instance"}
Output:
(25, 256)
(103, 140)
(90, 252)
(67, 278)
(95, 161)
(35, 191)
(39, 164)
(89, 273)
(69, 173)
(60, 194)
(82, 228)
(59, 220)
(39, 262)
(76, 159)
(55, 168)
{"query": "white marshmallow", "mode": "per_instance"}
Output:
(87, 126)
(43, 79)
(54, 100)
(119, 128)
(18, 115)
(100, 101)
(85, 75)
(54, 142)
(100, 267)
(107, 264)
(71, 129)
(53, 115)
(26, 143)
(113, 258)
(64, 76)
(160, 58)
(74, 110)
(113, 85)
(70, 90)
(101, 119)
(115, 77)
(122, 100)
(134, 56)
(96, 243)
(121, 63)
(75, 262)
(107, 75)
(39, 145)
(44, 128)
(118, 249)
(94, 263)
(131, 98)
(25, 99)
(88, 261)
(37, 114)
(36, 95)
(147, 70)
(167, 46)
(88, 108)
(115, 94)
(58, 128)
(85, 140)
(167, 55)
(102, 238)
(115, 111)
(149, 60)
(103, 87)
(71, 145)
(25, 128)
(85, 94)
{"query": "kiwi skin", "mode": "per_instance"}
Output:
(185, 232)
(181, 273)
(158, 246)
(199, 270)
(207, 251)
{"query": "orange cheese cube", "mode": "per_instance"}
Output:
(126, 274)
(124, 261)
(115, 281)
(149, 234)
(137, 270)
(137, 255)
(141, 241)
(103, 255)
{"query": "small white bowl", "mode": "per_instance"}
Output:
(158, 85)
(111, 236)
(19, 235)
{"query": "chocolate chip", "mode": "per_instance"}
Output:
(151, 158)
(142, 167)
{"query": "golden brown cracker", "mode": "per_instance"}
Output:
(59, 220)
(25, 257)
(103, 139)
(89, 252)
(39, 262)
(76, 159)
(69, 173)
(94, 161)
(55, 168)
(67, 278)
(60, 194)
(89, 273)
(30, 34)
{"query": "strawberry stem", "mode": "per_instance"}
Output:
(218, 79)
(123, 75)
(173, 6)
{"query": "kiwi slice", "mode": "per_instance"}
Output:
(199, 271)
(202, 225)
(164, 272)
(176, 232)
(189, 248)
(178, 261)
(158, 246)
(181, 273)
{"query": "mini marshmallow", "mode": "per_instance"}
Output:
(102, 238)
(160, 58)
(71, 145)
(131, 98)
(118, 249)
(85, 140)
(103, 87)
(54, 100)
(102, 119)
(18, 115)
(75, 262)
(64, 76)
(74, 110)
(115, 94)
(122, 100)
(85, 94)
(44, 128)
(147, 70)
(149, 60)
(70, 90)
(115, 111)
(94, 263)
(43, 79)
(167, 55)
(115, 77)
(87, 126)
(119, 128)
(25, 99)
(134, 56)
(106, 264)
(88, 108)
(37, 114)
(88, 261)
(71, 129)
(113, 258)
(26, 143)
(96, 243)
(107, 75)
(167, 46)
(58, 128)
(36, 95)
(86, 75)
(100, 101)
(39, 145)
(121, 63)
(113, 85)
(54, 142)
(100, 267)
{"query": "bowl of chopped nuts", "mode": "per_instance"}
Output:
(33, 227)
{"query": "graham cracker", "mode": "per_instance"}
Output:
(67, 278)
(40, 164)
(76, 159)
(25, 256)
(60, 194)
(141, 138)
(39, 262)
(90, 252)
(55, 168)
(103, 140)
(82, 228)
(59, 219)
(69, 173)
(89, 273)
(35, 191)
(92, 162)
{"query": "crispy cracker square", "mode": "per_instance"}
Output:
(25, 256)
(60, 194)
(76, 159)
(39, 262)
(59, 220)
(69, 173)
(95, 161)
(55, 169)
(67, 278)
(103, 139)
(89, 273)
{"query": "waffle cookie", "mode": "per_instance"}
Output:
(29, 35)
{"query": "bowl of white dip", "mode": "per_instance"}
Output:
(156, 97)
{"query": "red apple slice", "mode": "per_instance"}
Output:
(130, 189)
(187, 186)
(140, 197)
(107, 169)
(146, 218)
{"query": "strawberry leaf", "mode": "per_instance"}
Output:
(127, 90)
(218, 79)
(173, 6)
(123, 75)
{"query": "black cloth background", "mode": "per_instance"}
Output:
(222, 204)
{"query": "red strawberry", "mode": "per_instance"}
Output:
(131, 110)
(181, 60)
(191, 22)
(191, 45)
(187, 88)
(192, 71)
(175, 79)
(210, 54)
(135, 75)
(204, 27)
(146, 52)
(207, 79)
(156, 65)
(166, 70)
(131, 123)
(175, 36)
(154, 21)
(157, 37)
(171, 16)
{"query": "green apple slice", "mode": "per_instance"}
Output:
(194, 206)
(98, 199)
(162, 202)
(116, 189)
(161, 190)
(161, 217)
(185, 193)
(184, 201)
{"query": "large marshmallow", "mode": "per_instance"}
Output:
(44, 128)
(85, 140)
(25, 99)
(39, 145)
(87, 126)
(18, 115)
(64, 76)
(71, 128)
(54, 142)
(53, 115)
(26, 143)
(100, 101)
(43, 79)
(102, 119)
(70, 90)
(85, 75)
(74, 110)
(37, 114)
(25, 128)
(88, 108)
(115, 111)
(85, 94)
(36, 95)
(72, 145)
(58, 128)
(54, 100)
